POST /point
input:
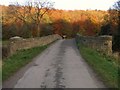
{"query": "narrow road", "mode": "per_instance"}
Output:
(59, 66)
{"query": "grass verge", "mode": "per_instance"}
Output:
(18, 60)
(5, 42)
(105, 66)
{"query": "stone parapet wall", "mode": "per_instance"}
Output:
(101, 43)
(15, 45)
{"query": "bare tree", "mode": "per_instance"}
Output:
(32, 12)
(40, 9)
(117, 5)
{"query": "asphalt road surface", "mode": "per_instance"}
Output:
(59, 66)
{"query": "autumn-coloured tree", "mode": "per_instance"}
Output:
(19, 14)
(32, 20)
(32, 11)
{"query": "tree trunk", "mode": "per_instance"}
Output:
(38, 30)
(118, 22)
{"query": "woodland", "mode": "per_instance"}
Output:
(42, 19)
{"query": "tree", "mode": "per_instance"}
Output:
(31, 21)
(20, 13)
(117, 7)
(32, 12)
(105, 30)
(40, 9)
(114, 17)
(116, 39)
(67, 29)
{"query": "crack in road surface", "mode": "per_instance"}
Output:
(59, 66)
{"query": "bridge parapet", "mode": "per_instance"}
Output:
(100, 43)
(18, 43)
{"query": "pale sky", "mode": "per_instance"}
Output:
(73, 4)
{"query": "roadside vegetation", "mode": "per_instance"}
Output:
(106, 67)
(0, 71)
(21, 58)
(5, 42)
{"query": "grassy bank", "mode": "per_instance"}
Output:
(105, 66)
(18, 60)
